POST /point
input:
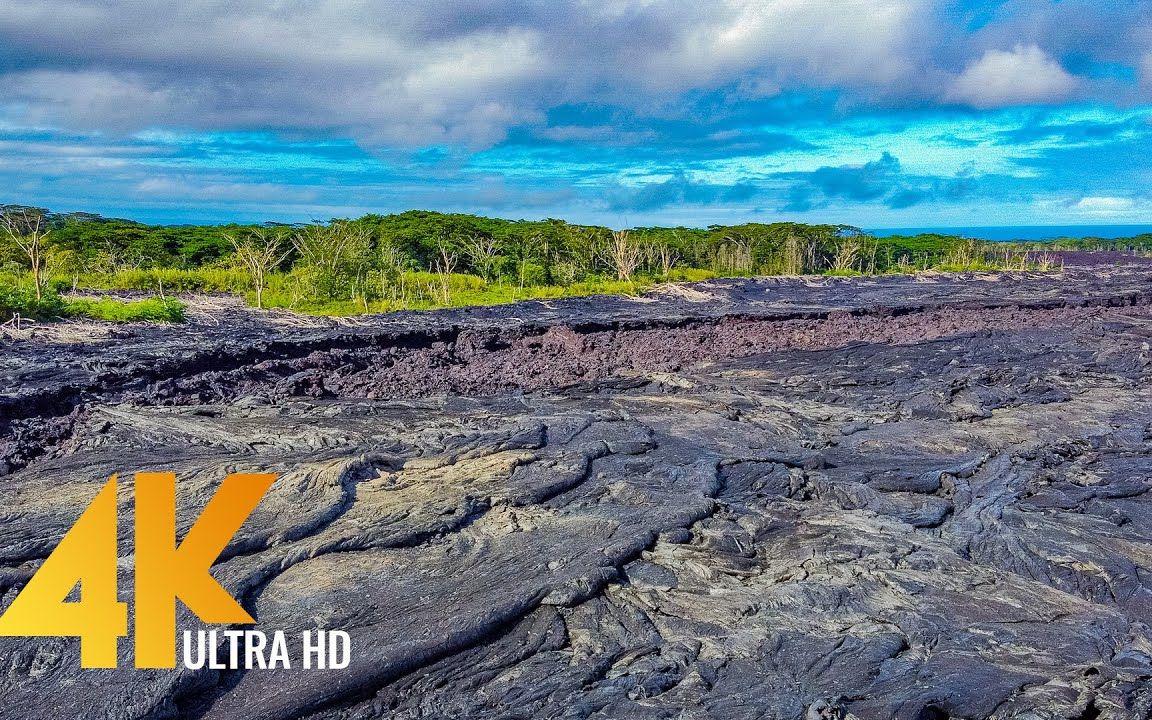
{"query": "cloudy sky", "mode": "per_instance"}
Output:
(879, 113)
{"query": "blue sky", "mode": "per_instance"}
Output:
(878, 113)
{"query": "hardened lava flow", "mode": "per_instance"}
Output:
(903, 497)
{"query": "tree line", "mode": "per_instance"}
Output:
(391, 257)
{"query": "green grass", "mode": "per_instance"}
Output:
(165, 280)
(425, 291)
(20, 301)
(157, 310)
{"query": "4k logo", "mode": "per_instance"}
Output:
(165, 571)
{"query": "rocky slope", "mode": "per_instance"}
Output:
(910, 498)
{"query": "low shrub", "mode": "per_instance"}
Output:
(17, 301)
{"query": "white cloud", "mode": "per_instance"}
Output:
(1103, 206)
(90, 99)
(765, 47)
(859, 42)
(396, 73)
(385, 75)
(464, 71)
(1021, 76)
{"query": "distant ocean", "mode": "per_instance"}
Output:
(1025, 232)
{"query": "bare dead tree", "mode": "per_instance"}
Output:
(66, 261)
(733, 255)
(530, 247)
(482, 251)
(800, 254)
(665, 256)
(445, 265)
(260, 252)
(623, 254)
(391, 260)
(847, 252)
(329, 248)
(27, 229)
(112, 259)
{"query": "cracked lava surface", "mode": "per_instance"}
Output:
(909, 498)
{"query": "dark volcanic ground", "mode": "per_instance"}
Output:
(913, 498)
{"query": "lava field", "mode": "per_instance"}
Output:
(917, 497)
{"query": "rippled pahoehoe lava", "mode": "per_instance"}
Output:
(906, 497)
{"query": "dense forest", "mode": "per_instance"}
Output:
(421, 259)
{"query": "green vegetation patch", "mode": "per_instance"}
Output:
(15, 301)
(159, 310)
